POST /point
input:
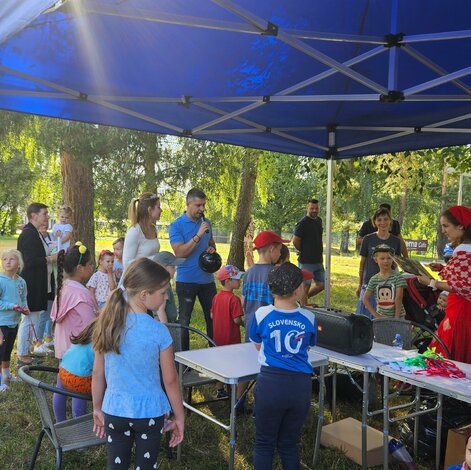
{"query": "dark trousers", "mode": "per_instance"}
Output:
(282, 401)
(123, 433)
(9, 336)
(187, 293)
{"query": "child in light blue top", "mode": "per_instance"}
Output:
(129, 402)
(141, 394)
(12, 305)
(76, 366)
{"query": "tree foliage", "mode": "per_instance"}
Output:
(124, 163)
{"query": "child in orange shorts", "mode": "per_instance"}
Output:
(76, 367)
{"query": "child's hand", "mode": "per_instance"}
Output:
(99, 423)
(59, 234)
(177, 428)
(109, 269)
(25, 311)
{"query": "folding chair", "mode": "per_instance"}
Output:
(72, 434)
(191, 377)
(413, 335)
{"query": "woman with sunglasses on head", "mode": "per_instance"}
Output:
(103, 281)
(73, 309)
(455, 328)
(141, 239)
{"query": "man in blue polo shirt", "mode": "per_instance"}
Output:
(191, 235)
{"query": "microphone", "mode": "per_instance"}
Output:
(204, 220)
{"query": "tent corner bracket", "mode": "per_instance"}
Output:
(393, 96)
(271, 29)
(394, 40)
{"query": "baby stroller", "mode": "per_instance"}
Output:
(420, 304)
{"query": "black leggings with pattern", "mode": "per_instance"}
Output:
(123, 433)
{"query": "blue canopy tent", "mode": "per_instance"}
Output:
(327, 79)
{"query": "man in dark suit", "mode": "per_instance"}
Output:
(32, 247)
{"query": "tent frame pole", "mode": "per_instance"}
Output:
(328, 215)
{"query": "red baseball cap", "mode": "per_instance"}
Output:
(267, 237)
(229, 272)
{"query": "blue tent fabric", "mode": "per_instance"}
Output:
(317, 78)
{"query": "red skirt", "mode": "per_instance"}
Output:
(455, 329)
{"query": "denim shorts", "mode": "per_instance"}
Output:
(317, 269)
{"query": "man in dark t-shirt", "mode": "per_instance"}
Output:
(307, 240)
(367, 228)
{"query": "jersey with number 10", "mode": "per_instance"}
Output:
(285, 337)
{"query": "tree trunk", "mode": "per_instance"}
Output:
(402, 208)
(150, 155)
(242, 216)
(441, 241)
(78, 193)
(344, 241)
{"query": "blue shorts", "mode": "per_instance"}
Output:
(317, 269)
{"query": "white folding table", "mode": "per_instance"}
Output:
(451, 387)
(368, 363)
(234, 364)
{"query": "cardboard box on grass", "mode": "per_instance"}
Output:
(456, 445)
(346, 435)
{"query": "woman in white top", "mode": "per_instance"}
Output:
(141, 239)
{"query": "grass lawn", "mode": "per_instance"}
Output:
(206, 446)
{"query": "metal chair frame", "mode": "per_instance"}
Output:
(72, 434)
(385, 330)
(191, 378)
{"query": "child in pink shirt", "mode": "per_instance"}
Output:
(72, 311)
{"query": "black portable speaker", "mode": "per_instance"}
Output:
(344, 332)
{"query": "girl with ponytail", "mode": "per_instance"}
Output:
(129, 402)
(73, 309)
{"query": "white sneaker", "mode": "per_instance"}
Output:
(48, 343)
(13, 378)
(3, 388)
(42, 349)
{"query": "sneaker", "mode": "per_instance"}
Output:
(13, 378)
(3, 388)
(221, 393)
(42, 349)
(48, 344)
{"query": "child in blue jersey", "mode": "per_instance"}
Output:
(283, 334)
(132, 352)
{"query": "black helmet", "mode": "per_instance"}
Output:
(210, 262)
